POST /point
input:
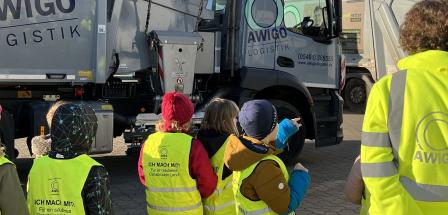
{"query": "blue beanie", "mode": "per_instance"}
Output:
(258, 118)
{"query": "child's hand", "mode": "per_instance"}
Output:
(297, 122)
(286, 129)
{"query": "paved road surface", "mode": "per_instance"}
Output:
(328, 166)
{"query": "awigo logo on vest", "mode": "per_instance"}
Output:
(430, 135)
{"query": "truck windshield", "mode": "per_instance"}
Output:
(307, 17)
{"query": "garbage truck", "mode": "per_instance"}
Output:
(370, 44)
(121, 56)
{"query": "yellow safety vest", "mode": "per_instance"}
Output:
(404, 151)
(246, 206)
(55, 186)
(4, 160)
(169, 186)
(222, 201)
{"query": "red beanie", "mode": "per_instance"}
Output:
(176, 107)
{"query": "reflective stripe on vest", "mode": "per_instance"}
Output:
(55, 185)
(170, 188)
(396, 107)
(247, 206)
(222, 201)
(419, 191)
(4, 160)
(256, 212)
(175, 209)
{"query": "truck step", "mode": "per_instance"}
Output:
(327, 119)
(322, 98)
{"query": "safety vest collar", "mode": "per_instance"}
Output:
(4, 160)
(432, 60)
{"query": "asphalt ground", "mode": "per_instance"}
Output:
(328, 166)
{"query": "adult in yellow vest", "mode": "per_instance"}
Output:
(261, 182)
(404, 152)
(218, 124)
(12, 200)
(175, 168)
(67, 181)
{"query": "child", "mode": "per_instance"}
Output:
(262, 184)
(218, 124)
(68, 174)
(40, 145)
(173, 166)
(12, 200)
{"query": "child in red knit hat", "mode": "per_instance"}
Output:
(173, 166)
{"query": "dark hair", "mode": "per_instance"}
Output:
(425, 27)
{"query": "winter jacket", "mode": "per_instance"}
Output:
(12, 199)
(199, 166)
(263, 183)
(213, 141)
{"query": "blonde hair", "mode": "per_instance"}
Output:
(173, 127)
(53, 109)
(220, 115)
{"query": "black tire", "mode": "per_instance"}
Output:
(133, 152)
(355, 95)
(296, 142)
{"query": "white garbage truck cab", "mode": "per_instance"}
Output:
(121, 56)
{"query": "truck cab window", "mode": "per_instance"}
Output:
(217, 5)
(306, 17)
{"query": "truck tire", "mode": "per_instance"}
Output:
(355, 95)
(286, 110)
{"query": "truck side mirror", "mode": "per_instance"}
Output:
(335, 14)
(337, 18)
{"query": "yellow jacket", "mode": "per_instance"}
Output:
(404, 151)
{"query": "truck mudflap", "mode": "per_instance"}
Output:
(328, 111)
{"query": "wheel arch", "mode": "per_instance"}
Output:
(296, 98)
(280, 85)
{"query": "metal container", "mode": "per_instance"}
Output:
(177, 53)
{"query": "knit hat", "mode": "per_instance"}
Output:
(176, 107)
(258, 118)
(73, 130)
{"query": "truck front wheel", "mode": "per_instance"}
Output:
(286, 110)
(355, 95)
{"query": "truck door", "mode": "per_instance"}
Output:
(261, 20)
(304, 47)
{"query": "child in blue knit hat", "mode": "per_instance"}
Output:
(262, 183)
